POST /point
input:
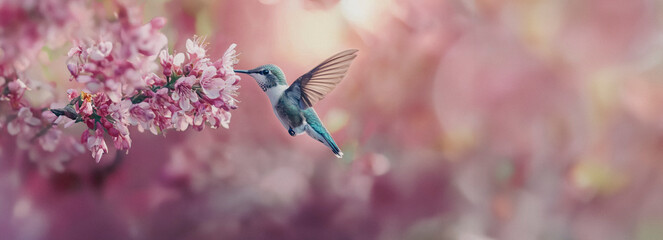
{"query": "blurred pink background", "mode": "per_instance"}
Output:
(460, 119)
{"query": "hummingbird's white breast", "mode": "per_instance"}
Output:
(274, 93)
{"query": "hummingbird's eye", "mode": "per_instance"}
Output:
(264, 72)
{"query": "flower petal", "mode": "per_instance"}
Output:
(13, 128)
(179, 59)
(185, 104)
(190, 46)
(208, 73)
(175, 96)
(33, 121)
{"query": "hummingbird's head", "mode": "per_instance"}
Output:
(267, 76)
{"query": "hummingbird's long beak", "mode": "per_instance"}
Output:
(242, 71)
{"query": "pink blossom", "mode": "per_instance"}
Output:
(121, 127)
(211, 84)
(181, 120)
(118, 64)
(228, 92)
(85, 107)
(101, 103)
(154, 103)
(123, 88)
(195, 48)
(96, 144)
(142, 116)
(219, 117)
(16, 88)
(171, 63)
(100, 51)
(84, 136)
(227, 61)
(154, 80)
(84, 78)
(120, 112)
(33, 25)
(54, 149)
(122, 142)
(113, 90)
(183, 92)
(148, 39)
(50, 140)
(73, 69)
(158, 23)
(24, 123)
(163, 107)
(76, 50)
(71, 94)
(214, 116)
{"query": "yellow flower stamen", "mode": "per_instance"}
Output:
(86, 97)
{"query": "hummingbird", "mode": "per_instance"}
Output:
(293, 105)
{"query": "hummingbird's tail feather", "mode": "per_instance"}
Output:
(323, 136)
(331, 144)
(316, 130)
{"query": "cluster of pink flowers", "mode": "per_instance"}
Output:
(27, 26)
(123, 90)
(130, 79)
(12, 90)
(44, 142)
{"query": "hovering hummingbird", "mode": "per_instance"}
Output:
(293, 105)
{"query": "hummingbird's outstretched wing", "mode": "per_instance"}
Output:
(317, 83)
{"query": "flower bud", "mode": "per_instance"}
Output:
(158, 23)
(73, 69)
